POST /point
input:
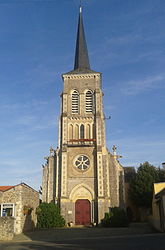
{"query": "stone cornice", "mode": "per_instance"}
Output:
(81, 76)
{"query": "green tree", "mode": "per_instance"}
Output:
(48, 216)
(141, 186)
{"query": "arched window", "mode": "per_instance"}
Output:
(75, 102)
(76, 134)
(88, 131)
(70, 131)
(82, 131)
(89, 101)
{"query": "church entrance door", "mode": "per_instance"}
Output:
(82, 212)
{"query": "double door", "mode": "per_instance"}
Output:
(82, 212)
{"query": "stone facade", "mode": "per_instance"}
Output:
(19, 198)
(102, 183)
(82, 173)
(6, 228)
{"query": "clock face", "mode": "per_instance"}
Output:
(82, 162)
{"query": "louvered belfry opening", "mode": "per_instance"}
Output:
(89, 101)
(75, 102)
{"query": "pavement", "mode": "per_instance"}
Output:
(139, 236)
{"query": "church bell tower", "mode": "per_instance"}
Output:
(85, 180)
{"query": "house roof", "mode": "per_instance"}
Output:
(5, 188)
(158, 187)
(160, 194)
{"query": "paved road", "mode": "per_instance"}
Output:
(133, 238)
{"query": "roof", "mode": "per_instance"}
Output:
(82, 71)
(158, 187)
(81, 63)
(5, 188)
(160, 194)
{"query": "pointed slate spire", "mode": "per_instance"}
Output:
(81, 55)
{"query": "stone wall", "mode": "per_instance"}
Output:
(116, 182)
(6, 228)
(29, 197)
(22, 195)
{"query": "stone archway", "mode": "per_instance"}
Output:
(81, 191)
(82, 197)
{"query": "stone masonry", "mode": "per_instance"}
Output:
(21, 196)
(82, 176)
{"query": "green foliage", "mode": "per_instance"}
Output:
(141, 186)
(106, 221)
(129, 214)
(116, 218)
(48, 216)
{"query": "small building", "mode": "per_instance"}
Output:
(17, 209)
(158, 207)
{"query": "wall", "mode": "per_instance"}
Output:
(22, 195)
(6, 228)
(157, 204)
(29, 197)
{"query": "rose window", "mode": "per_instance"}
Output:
(82, 162)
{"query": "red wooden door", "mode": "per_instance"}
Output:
(82, 212)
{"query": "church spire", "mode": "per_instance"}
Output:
(81, 55)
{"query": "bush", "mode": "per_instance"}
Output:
(106, 221)
(48, 216)
(116, 218)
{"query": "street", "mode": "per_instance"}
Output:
(132, 238)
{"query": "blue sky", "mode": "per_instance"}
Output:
(126, 42)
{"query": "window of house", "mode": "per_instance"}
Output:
(75, 102)
(89, 101)
(7, 209)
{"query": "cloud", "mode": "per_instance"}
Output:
(109, 107)
(135, 87)
(26, 120)
(9, 163)
(124, 40)
(45, 125)
(33, 104)
(136, 150)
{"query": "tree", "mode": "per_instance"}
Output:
(48, 216)
(141, 186)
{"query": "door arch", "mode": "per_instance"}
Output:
(82, 212)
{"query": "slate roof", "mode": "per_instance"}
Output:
(81, 63)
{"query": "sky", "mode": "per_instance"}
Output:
(126, 42)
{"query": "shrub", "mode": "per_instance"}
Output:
(106, 221)
(116, 218)
(48, 216)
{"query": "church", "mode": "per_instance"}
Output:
(81, 176)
